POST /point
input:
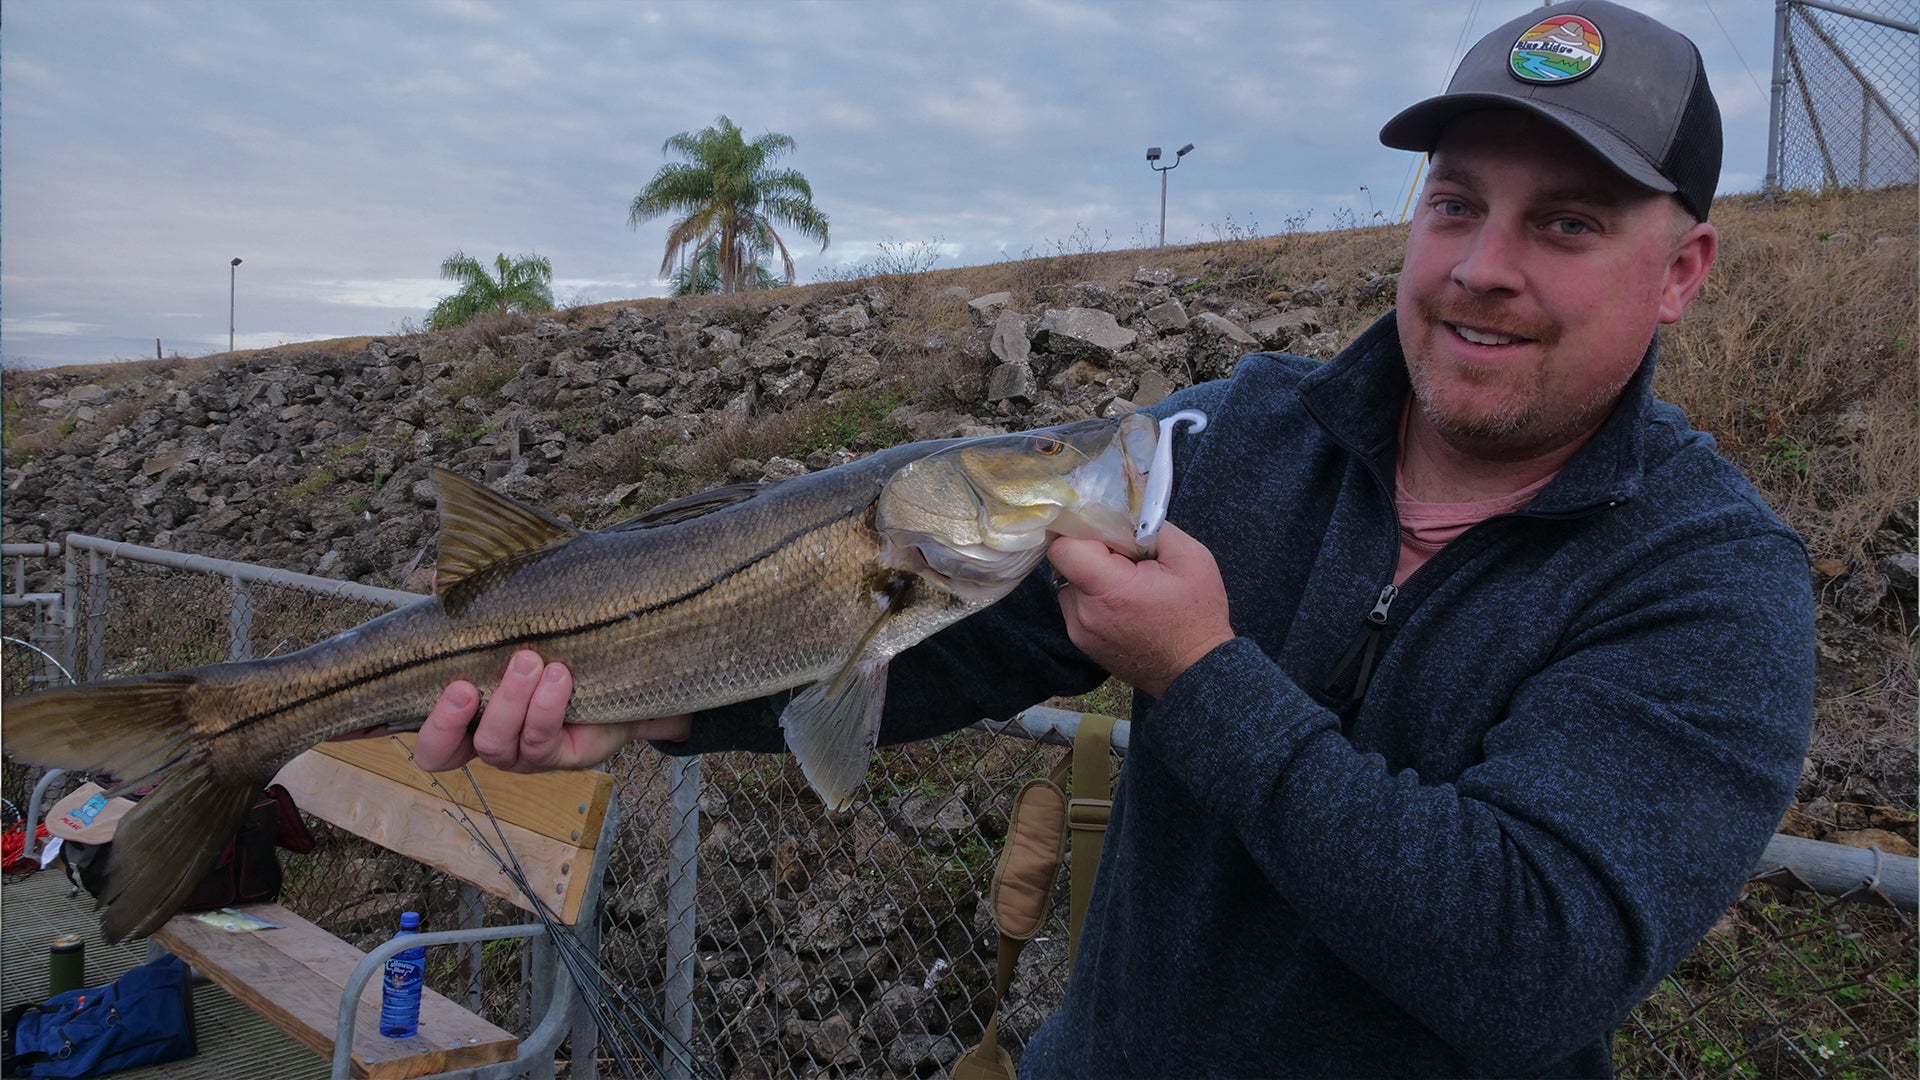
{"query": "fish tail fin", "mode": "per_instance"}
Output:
(133, 728)
(140, 730)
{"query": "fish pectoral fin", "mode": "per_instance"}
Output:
(832, 727)
(481, 528)
(688, 507)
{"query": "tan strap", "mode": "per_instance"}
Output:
(1087, 814)
(1020, 894)
(1039, 828)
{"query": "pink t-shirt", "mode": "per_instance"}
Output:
(1426, 527)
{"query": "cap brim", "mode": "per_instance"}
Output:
(69, 820)
(1418, 128)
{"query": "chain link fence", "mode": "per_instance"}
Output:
(1846, 98)
(860, 944)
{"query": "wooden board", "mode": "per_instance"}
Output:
(418, 823)
(564, 805)
(294, 977)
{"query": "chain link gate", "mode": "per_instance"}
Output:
(1846, 95)
(859, 944)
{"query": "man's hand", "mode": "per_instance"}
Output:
(1145, 622)
(524, 728)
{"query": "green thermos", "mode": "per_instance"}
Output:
(66, 964)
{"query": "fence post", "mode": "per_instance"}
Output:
(683, 871)
(70, 609)
(240, 623)
(96, 616)
(1776, 96)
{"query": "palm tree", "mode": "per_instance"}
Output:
(522, 285)
(702, 275)
(729, 195)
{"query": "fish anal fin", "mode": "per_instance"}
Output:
(165, 846)
(832, 727)
(481, 528)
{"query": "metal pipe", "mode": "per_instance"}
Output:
(683, 878)
(115, 549)
(1056, 726)
(1863, 16)
(1776, 96)
(70, 610)
(44, 549)
(33, 806)
(1836, 869)
(96, 616)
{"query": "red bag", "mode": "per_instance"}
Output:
(13, 848)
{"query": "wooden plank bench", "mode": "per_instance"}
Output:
(559, 827)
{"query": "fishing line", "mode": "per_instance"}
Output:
(50, 657)
(606, 996)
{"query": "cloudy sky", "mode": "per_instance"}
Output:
(343, 149)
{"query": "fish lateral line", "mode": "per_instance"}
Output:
(516, 640)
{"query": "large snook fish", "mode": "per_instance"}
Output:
(815, 582)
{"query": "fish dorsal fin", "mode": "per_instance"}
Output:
(688, 507)
(481, 528)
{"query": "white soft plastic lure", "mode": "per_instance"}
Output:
(1153, 507)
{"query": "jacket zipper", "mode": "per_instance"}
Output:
(1355, 669)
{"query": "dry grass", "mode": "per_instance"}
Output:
(1799, 357)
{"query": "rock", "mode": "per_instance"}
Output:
(1171, 315)
(780, 468)
(1902, 571)
(1221, 326)
(931, 817)
(1158, 275)
(1891, 843)
(1011, 382)
(911, 1052)
(1322, 346)
(848, 320)
(1084, 333)
(1009, 342)
(985, 309)
(1860, 595)
(1153, 389)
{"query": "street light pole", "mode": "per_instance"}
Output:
(1153, 155)
(232, 270)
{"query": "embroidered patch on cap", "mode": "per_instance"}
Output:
(1560, 49)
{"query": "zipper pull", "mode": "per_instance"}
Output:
(1378, 616)
(1355, 669)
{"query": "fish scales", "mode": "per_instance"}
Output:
(811, 584)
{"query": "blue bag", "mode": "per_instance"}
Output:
(140, 1019)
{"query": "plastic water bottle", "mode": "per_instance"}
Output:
(401, 983)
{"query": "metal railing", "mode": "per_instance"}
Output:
(780, 939)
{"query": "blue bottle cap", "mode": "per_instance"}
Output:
(410, 920)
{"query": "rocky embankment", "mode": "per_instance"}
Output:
(318, 462)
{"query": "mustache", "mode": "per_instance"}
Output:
(1491, 315)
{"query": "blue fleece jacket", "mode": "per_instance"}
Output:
(1465, 839)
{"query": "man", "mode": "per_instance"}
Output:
(1471, 680)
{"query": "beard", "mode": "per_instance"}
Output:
(1524, 420)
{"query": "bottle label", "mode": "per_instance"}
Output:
(402, 975)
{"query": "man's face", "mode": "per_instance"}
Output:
(1533, 280)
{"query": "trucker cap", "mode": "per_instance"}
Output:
(1625, 85)
(89, 815)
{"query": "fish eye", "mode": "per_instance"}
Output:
(1049, 447)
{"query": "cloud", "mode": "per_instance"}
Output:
(52, 324)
